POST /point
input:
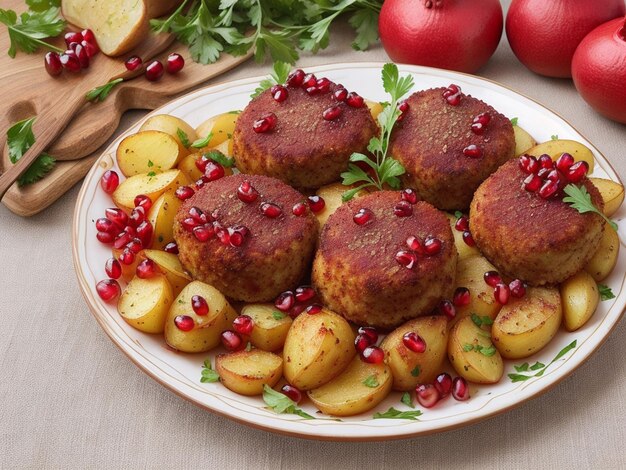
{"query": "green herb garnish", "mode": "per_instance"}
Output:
(539, 366)
(27, 31)
(371, 381)
(281, 403)
(554, 137)
(278, 76)
(101, 92)
(184, 139)
(198, 144)
(20, 138)
(208, 374)
(220, 158)
(392, 413)
(278, 315)
(480, 321)
(605, 292)
(416, 371)
(580, 199)
(386, 168)
(407, 399)
(514, 121)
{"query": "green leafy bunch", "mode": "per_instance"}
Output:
(20, 138)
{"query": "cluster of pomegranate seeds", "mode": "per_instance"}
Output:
(462, 225)
(205, 227)
(155, 69)
(293, 393)
(503, 291)
(414, 342)
(243, 325)
(430, 246)
(303, 299)
(473, 151)
(232, 341)
(452, 95)
(265, 123)
(548, 178)
(108, 289)
(428, 395)
(81, 47)
(363, 216)
(316, 203)
(479, 124)
(461, 297)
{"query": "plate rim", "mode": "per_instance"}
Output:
(85, 287)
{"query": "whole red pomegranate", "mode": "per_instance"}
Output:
(451, 34)
(545, 33)
(599, 69)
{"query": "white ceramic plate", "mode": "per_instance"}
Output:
(181, 372)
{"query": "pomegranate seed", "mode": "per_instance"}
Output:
(403, 209)
(285, 301)
(237, 235)
(432, 246)
(89, 36)
(316, 203)
(354, 100)
(232, 341)
(214, 171)
(70, 61)
(415, 244)
(72, 36)
(82, 55)
(403, 107)
(105, 225)
(154, 71)
(361, 342)
(109, 181)
(312, 91)
(279, 93)
(340, 94)
(184, 192)
(133, 63)
(299, 209)
(447, 308)
(427, 395)
(323, 84)
(246, 192)
(528, 164)
(543, 173)
(406, 258)
(517, 288)
(53, 65)
(175, 63)
(122, 239)
(409, 195)
(135, 245)
(373, 355)
(189, 224)
(202, 162)
(201, 182)
(197, 215)
(117, 216)
(462, 297)
(202, 233)
(480, 123)
(313, 309)
(223, 235)
(184, 322)
(577, 171)
(501, 293)
(296, 78)
(460, 389)
(549, 189)
(370, 332)
(296, 310)
(452, 95)
(105, 237)
(89, 48)
(483, 118)
(113, 268)
(363, 216)
(462, 224)
(146, 269)
(143, 201)
(414, 342)
(468, 238)
(332, 113)
(473, 151)
(532, 183)
(137, 216)
(291, 392)
(265, 124)
(270, 210)
(243, 324)
(443, 384)
(477, 128)
(127, 257)
(108, 289)
(309, 81)
(545, 162)
(144, 232)
(304, 293)
(564, 162)
(171, 247)
(492, 278)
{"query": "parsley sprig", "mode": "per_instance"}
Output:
(580, 199)
(386, 168)
(539, 366)
(20, 137)
(281, 403)
(605, 292)
(392, 413)
(101, 92)
(208, 375)
(27, 31)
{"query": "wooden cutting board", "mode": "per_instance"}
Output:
(81, 128)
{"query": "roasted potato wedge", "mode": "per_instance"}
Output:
(605, 258)
(555, 148)
(207, 329)
(221, 127)
(169, 265)
(317, 349)
(470, 273)
(472, 354)
(150, 185)
(375, 108)
(356, 390)
(173, 126)
(246, 372)
(161, 215)
(612, 194)
(523, 140)
(148, 151)
(462, 248)
(410, 368)
(526, 325)
(145, 303)
(270, 326)
(580, 298)
(188, 166)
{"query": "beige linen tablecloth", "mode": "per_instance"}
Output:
(70, 398)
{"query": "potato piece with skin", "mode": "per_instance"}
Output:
(523, 141)
(470, 272)
(169, 265)
(331, 193)
(356, 390)
(410, 368)
(580, 298)
(612, 194)
(149, 185)
(161, 215)
(189, 168)
(145, 303)
(207, 329)
(221, 127)
(375, 108)
(463, 249)
(526, 325)
(605, 258)
(148, 151)
(246, 372)
(472, 353)
(174, 127)
(317, 349)
(270, 326)
(555, 148)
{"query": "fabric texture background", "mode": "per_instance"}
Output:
(69, 398)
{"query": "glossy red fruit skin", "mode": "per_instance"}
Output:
(599, 68)
(154, 71)
(133, 63)
(411, 33)
(292, 392)
(52, 63)
(175, 63)
(109, 181)
(544, 34)
(108, 289)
